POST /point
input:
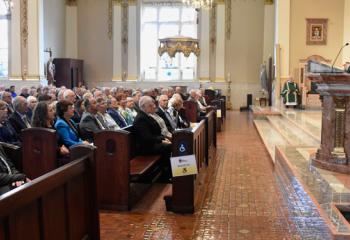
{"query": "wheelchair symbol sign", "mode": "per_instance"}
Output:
(182, 147)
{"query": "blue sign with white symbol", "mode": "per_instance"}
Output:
(182, 147)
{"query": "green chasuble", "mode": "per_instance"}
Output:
(290, 93)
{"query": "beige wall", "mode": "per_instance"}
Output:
(94, 46)
(54, 27)
(246, 44)
(302, 9)
(346, 37)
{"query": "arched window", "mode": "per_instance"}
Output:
(4, 39)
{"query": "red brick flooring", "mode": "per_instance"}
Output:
(243, 200)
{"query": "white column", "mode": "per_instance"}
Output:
(35, 40)
(132, 46)
(71, 31)
(204, 45)
(283, 34)
(220, 44)
(269, 31)
(117, 45)
(15, 42)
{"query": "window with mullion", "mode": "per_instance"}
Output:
(160, 22)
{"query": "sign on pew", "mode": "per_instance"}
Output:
(184, 165)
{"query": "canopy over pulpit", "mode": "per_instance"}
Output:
(334, 88)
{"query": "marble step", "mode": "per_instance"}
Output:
(270, 136)
(292, 133)
(308, 121)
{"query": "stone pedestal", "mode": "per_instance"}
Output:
(335, 137)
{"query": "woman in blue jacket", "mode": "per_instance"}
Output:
(65, 127)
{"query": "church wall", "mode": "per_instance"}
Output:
(246, 49)
(54, 28)
(346, 52)
(94, 45)
(300, 10)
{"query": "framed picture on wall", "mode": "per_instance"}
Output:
(316, 31)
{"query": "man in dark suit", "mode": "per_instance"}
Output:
(10, 177)
(114, 113)
(148, 133)
(19, 119)
(162, 112)
(89, 124)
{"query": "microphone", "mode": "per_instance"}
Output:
(346, 44)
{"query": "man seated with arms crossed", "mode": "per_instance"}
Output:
(150, 140)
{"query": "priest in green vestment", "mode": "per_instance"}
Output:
(290, 93)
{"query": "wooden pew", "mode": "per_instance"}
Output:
(118, 169)
(39, 149)
(58, 205)
(219, 105)
(190, 111)
(186, 190)
(210, 135)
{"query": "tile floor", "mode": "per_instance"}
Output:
(243, 200)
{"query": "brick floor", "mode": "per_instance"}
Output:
(243, 200)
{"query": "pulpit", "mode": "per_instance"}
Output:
(68, 72)
(334, 88)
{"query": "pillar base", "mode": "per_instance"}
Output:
(331, 165)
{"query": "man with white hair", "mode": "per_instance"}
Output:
(32, 102)
(69, 95)
(148, 135)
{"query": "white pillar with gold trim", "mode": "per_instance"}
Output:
(117, 44)
(35, 40)
(132, 42)
(282, 38)
(220, 43)
(203, 69)
(15, 42)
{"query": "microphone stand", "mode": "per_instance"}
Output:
(346, 44)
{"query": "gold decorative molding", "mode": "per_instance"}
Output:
(338, 150)
(72, 2)
(229, 103)
(228, 9)
(24, 22)
(219, 79)
(213, 28)
(125, 25)
(110, 19)
(268, 2)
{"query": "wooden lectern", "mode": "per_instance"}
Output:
(334, 88)
(68, 72)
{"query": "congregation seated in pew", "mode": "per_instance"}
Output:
(149, 138)
(7, 132)
(43, 117)
(65, 127)
(10, 177)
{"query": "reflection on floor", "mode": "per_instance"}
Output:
(244, 200)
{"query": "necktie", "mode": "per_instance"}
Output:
(26, 122)
(99, 123)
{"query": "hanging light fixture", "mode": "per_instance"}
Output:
(8, 4)
(199, 3)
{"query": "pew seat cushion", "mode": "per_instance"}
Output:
(139, 165)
